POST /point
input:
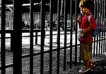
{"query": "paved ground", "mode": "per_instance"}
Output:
(100, 67)
(100, 62)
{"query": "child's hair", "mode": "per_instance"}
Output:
(87, 3)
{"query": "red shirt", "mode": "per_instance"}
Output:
(87, 37)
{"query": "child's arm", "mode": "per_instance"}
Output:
(79, 19)
(86, 30)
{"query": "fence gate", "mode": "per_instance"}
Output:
(40, 36)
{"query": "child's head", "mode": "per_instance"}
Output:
(86, 6)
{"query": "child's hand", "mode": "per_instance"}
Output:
(79, 18)
(80, 33)
(83, 30)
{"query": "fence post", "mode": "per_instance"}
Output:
(31, 36)
(42, 13)
(16, 37)
(3, 36)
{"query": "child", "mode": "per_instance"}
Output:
(86, 28)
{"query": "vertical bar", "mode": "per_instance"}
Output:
(58, 35)
(105, 8)
(97, 19)
(79, 14)
(31, 36)
(65, 34)
(51, 33)
(102, 16)
(100, 24)
(104, 22)
(95, 8)
(99, 5)
(42, 34)
(36, 38)
(2, 36)
(71, 11)
(76, 32)
(104, 25)
(17, 37)
(102, 28)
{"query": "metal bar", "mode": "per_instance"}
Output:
(104, 21)
(98, 45)
(100, 24)
(51, 34)
(76, 6)
(65, 34)
(102, 15)
(95, 9)
(17, 37)
(3, 36)
(42, 12)
(36, 38)
(71, 34)
(31, 36)
(104, 24)
(80, 14)
(96, 49)
(58, 35)
(97, 19)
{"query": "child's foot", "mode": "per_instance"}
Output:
(92, 64)
(83, 69)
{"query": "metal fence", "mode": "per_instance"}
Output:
(47, 51)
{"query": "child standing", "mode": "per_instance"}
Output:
(86, 28)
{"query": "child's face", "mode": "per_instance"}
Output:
(84, 10)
